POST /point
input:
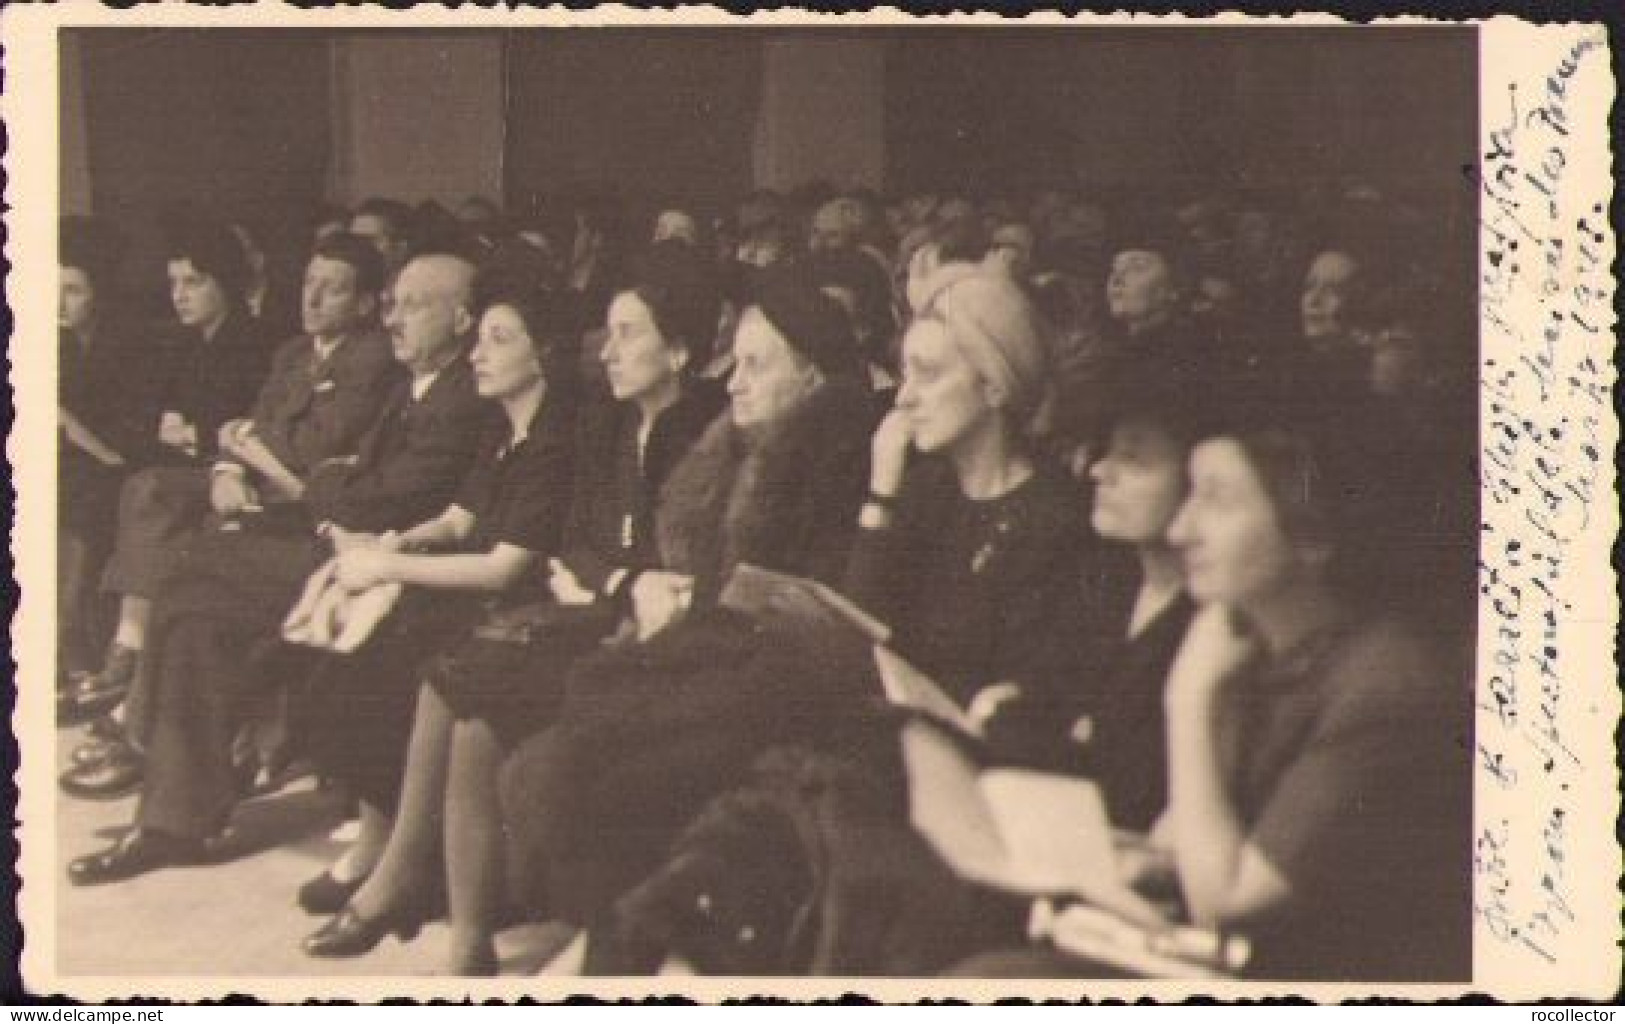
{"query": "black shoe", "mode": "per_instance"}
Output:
(90, 752)
(325, 894)
(140, 851)
(349, 934)
(116, 775)
(96, 694)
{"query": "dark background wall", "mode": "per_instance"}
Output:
(272, 116)
(264, 124)
(662, 114)
(237, 122)
(1165, 108)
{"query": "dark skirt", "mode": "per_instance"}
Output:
(360, 707)
(646, 735)
(510, 672)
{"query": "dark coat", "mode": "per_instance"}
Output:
(104, 385)
(810, 867)
(648, 732)
(211, 642)
(310, 410)
(212, 382)
(407, 466)
(612, 513)
(786, 502)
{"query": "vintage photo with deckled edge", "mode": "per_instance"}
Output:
(1543, 860)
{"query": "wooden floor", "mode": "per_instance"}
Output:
(236, 919)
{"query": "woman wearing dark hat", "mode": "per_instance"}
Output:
(652, 729)
(462, 567)
(1110, 725)
(1319, 768)
(1148, 285)
(503, 685)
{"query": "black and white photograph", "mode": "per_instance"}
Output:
(556, 505)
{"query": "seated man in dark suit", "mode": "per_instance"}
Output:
(230, 591)
(325, 387)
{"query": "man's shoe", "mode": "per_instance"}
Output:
(140, 851)
(96, 694)
(90, 752)
(116, 775)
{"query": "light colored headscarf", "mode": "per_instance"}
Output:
(1000, 333)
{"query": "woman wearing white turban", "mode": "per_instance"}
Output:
(969, 542)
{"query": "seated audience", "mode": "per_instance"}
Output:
(1139, 484)
(851, 279)
(465, 566)
(1335, 285)
(325, 387)
(226, 594)
(588, 694)
(108, 428)
(677, 225)
(500, 687)
(1319, 803)
(651, 729)
(1148, 295)
(210, 374)
(969, 544)
(961, 240)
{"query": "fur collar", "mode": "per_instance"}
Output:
(786, 501)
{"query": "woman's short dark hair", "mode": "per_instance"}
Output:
(1339, 474)
(683, 294)
(213, 249)
(509, 279)
(360, 254)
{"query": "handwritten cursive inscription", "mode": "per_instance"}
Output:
(1546, 299)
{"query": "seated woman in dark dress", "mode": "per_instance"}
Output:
(1319, 776)
(649, 730)
(204, 375)
(108, 428)
(1126, 648)
(970, 551)
(493, 691)
(1109, 726)
(465, 564)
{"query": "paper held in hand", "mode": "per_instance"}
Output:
(751, 587)
(908, 687)
(1028, 832)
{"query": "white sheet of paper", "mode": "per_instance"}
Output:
(1027, 832)
(1053, 827)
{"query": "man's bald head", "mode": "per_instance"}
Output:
(431, 315)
